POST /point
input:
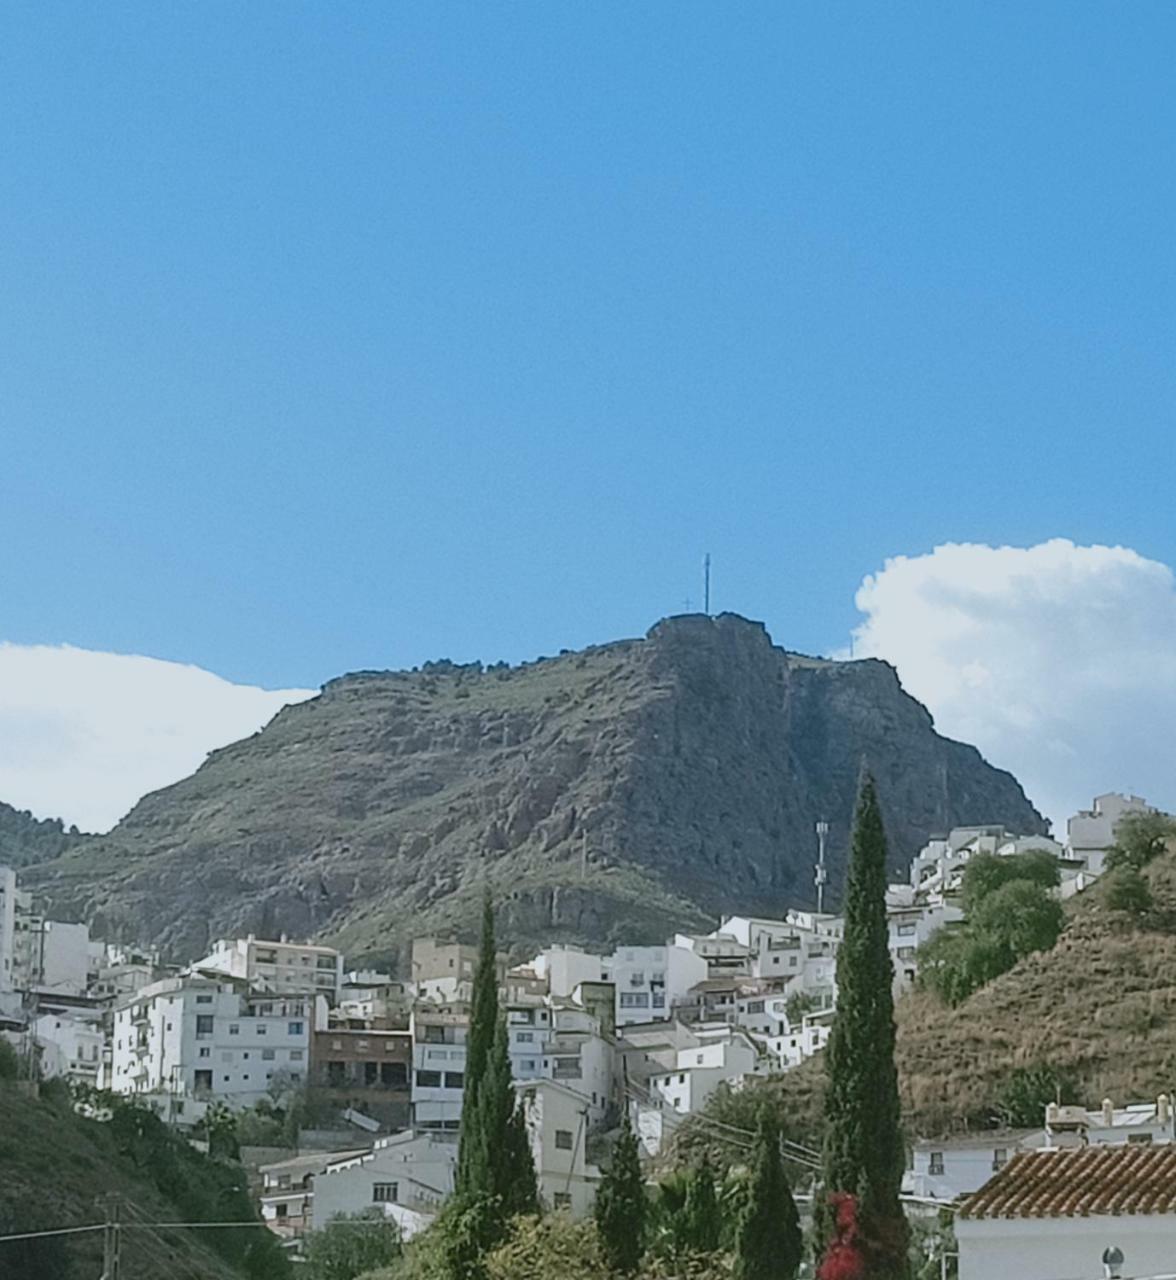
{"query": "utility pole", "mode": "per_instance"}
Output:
(821, 874)
(706, 584)
(112, 1240)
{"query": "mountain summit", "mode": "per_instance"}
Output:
(609, 794)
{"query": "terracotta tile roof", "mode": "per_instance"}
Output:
(1075, 1182)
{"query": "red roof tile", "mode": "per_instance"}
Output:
(1074, 1182)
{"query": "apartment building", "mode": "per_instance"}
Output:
(280, 968)
(205, 1039)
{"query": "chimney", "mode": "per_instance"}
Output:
(1051, 1114)
(1164, 1109)
(1108, 1112)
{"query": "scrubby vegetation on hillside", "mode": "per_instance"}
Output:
(25, 840)
(57, 1166)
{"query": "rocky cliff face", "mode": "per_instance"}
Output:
(617, 792)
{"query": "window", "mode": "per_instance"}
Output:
(204, 999)
(267, 1055)
(528, 1064)
(525, 1037)
(429, 1079)
(659, 999)
(204, 1052)
(261, 1028)
(561, 1200)
(295, 1029)
(295, 1055)
(755, 1006)
(325, 962)
(455, 1079)
(385, 1192)
(936, 1166)
(563, 1139)
(203, 1025)
(234, 1028)
(906, 930)
(1139, 1139)
(203, 1081)
(634, 1000)
(281, 1211)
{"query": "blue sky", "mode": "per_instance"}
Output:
(339, 336)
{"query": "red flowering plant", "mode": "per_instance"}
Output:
(845, 1256)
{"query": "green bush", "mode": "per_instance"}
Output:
(350, 1245)
(1128, 891)
(1139, 839)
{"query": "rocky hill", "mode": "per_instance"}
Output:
(25, 839)
(616, 792)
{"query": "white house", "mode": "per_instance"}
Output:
(649, 981)
(287, 1190)
(200, 1038)
(719, 1055)
(438, 1065)
(1090, 833)
(947, 1168)
(282, 967)
(1056, 1213)
(69, 1045)
(1143, 1122)
(408, 1176)
(558, 1119)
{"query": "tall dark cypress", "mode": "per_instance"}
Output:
(479, 1040)
(863, 1151)
(620, 1206)
(769, 1244)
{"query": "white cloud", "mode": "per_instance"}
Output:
(84, 735)
(1057, 661)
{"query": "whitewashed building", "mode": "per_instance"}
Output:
(649, 981)
(70, 1046)
(719, 1055)
(204, 1039)
(1058, 1213)
(439, 1035)
(1090, 833)
(947, 1168)
(407, 1177)
(282, 967)
(558, 1119)
(287, 1190)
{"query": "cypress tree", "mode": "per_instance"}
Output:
(703, 1225)
(769, 1244)
(863, 1150)
(479, 1040)
(620, 1206)
(495, 1171)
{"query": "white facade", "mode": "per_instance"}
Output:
(407, 1176)
(956, 1167)
(195, 1037)
(649, 981)
(8, 892)
(438, 1067)
(69, 1046)
(283, 968)
(1090, 833)
(718, 1057)
(1057, 1248)
(558, 1119)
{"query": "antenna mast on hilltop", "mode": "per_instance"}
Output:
(706, 584)
(821, 875)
